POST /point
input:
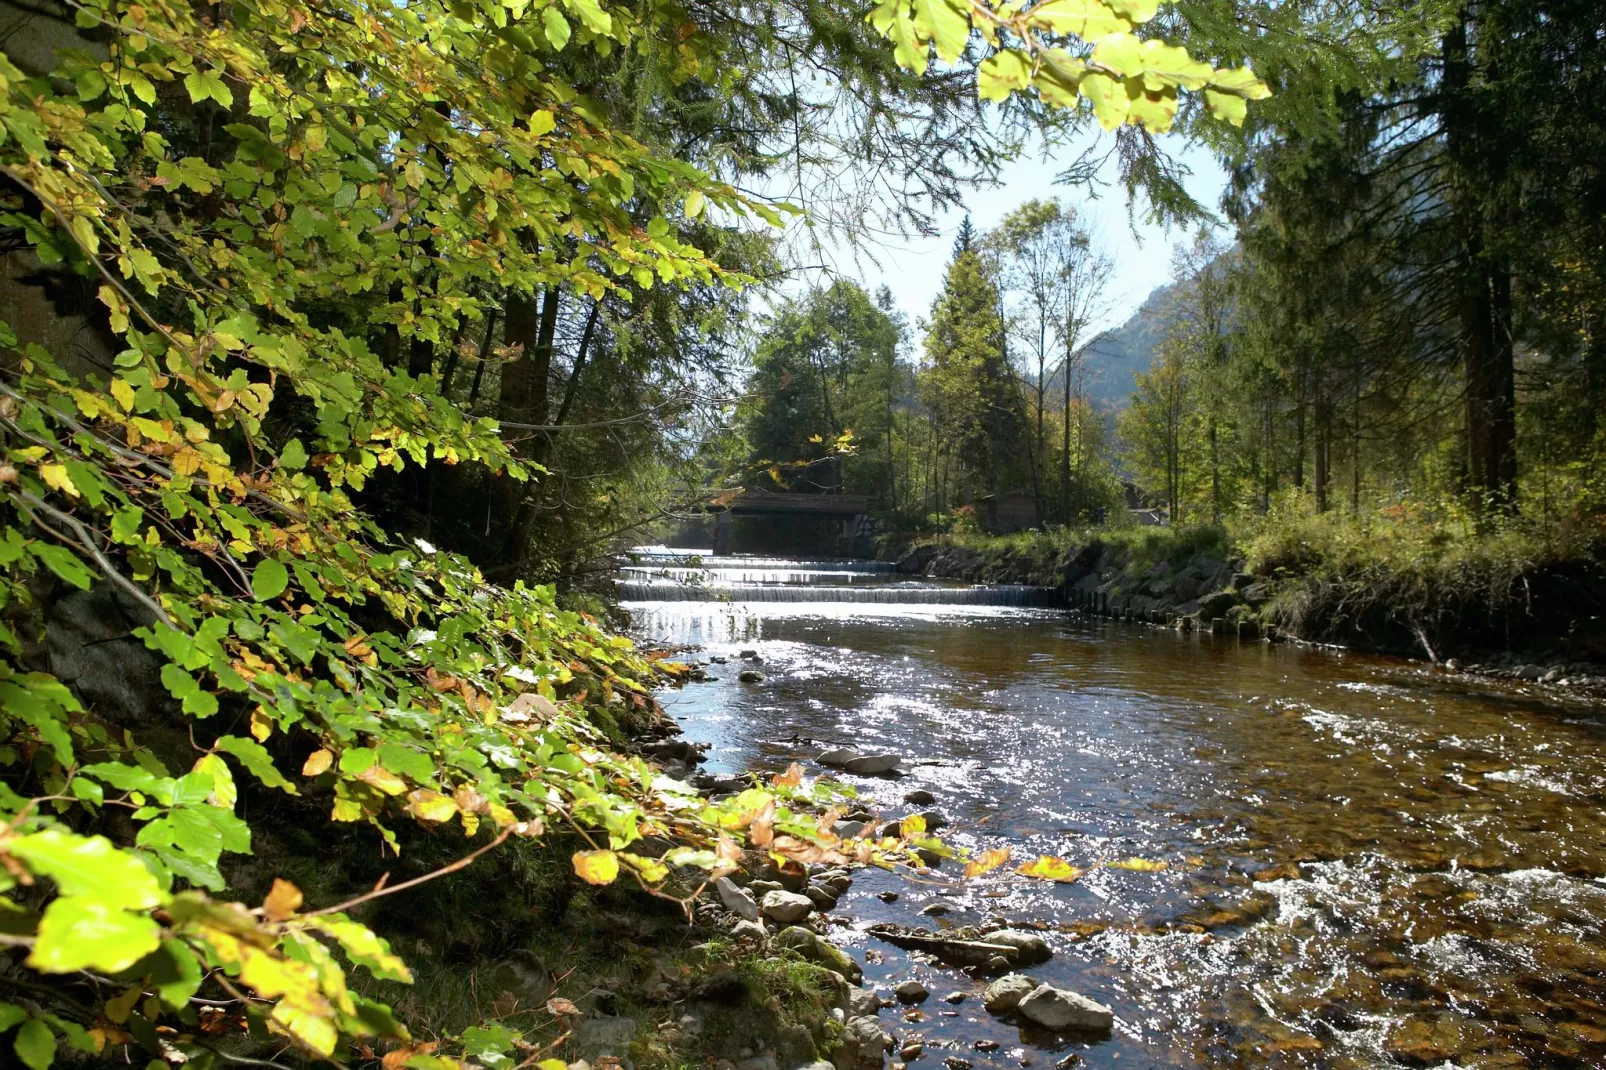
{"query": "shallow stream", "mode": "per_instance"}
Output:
(1367, 862)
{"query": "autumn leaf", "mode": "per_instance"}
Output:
(912, 826)
(559, 1007)
(596, 867)
(987, 861)
(792, 778)
(431, 806)
(317, 762)
(283, 900)
(1049, 868)
(1139, 865)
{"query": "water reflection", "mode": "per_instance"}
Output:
(1368, 863)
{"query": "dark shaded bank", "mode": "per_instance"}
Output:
(1498, 613)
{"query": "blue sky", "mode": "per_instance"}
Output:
(913, 268)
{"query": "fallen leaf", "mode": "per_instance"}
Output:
(789, 779)
(1140, 865)
(1049, 868)
(987, 861)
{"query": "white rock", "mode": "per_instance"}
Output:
(838, 756)
(872, 763)
(1029, 948)
(737, 900)
(786, 907)
(750, 929)
(911, 992)
(1006, 993)
(1058, 1009)
(862, 1002)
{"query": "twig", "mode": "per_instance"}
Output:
(87, 543)
(379, 892)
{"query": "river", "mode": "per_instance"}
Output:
(1368, 862)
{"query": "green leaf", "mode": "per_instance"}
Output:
(1002, 74)
(89, 866)
(1228, 106)
(64, 564)
(556, 26)
(79, 932)
(36, 1045)
(126, 522)
(293, 457)
(1087, 19)
(947, 23)
(255, 757)
(10, 1015)
(269, 579)
(695, 203)
(175, 973)
(1120, 53)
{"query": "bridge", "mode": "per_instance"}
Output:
(848, 507)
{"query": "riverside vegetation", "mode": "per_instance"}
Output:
(261, 736)
(352, 323)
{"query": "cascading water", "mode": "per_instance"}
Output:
(663, 574)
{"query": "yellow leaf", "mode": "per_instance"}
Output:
(911, 826)
(987, 861)
(596, 867)
(1140, 865)
(430, 806)
(377, 776)
(317, 762)
(55, 477)
(224, 792)
(1049, 868)
(123, 393)
(695, 203)
(283, 900)
(652, 871)
(261, 725)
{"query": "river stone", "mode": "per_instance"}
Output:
(818, 1064)
(737, 900)
(750, 676)
(935, 819)
(862, 1002)
(863, 1042)
(822, 898)
(911, 992)
(919, 797)
(837, 756)
(1006, 993)
(848, 830)
(753, 930)
(818, 949)
(1029, 948)
(870, 764)
(786, 907)
(1057, 1008)
(597, 1037)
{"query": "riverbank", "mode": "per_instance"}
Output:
(1497, 605)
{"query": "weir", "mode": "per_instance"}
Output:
(912, 594)
(668, 574)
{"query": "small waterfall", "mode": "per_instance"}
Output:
(885, 594)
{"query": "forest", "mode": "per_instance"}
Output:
(344, 345)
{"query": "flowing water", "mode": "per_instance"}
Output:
(1368, 862)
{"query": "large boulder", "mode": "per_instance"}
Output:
(1057, 1008)
(90, 642)
(786, 907)
(1027, 949)
(1216, 605)
(1005, 994)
